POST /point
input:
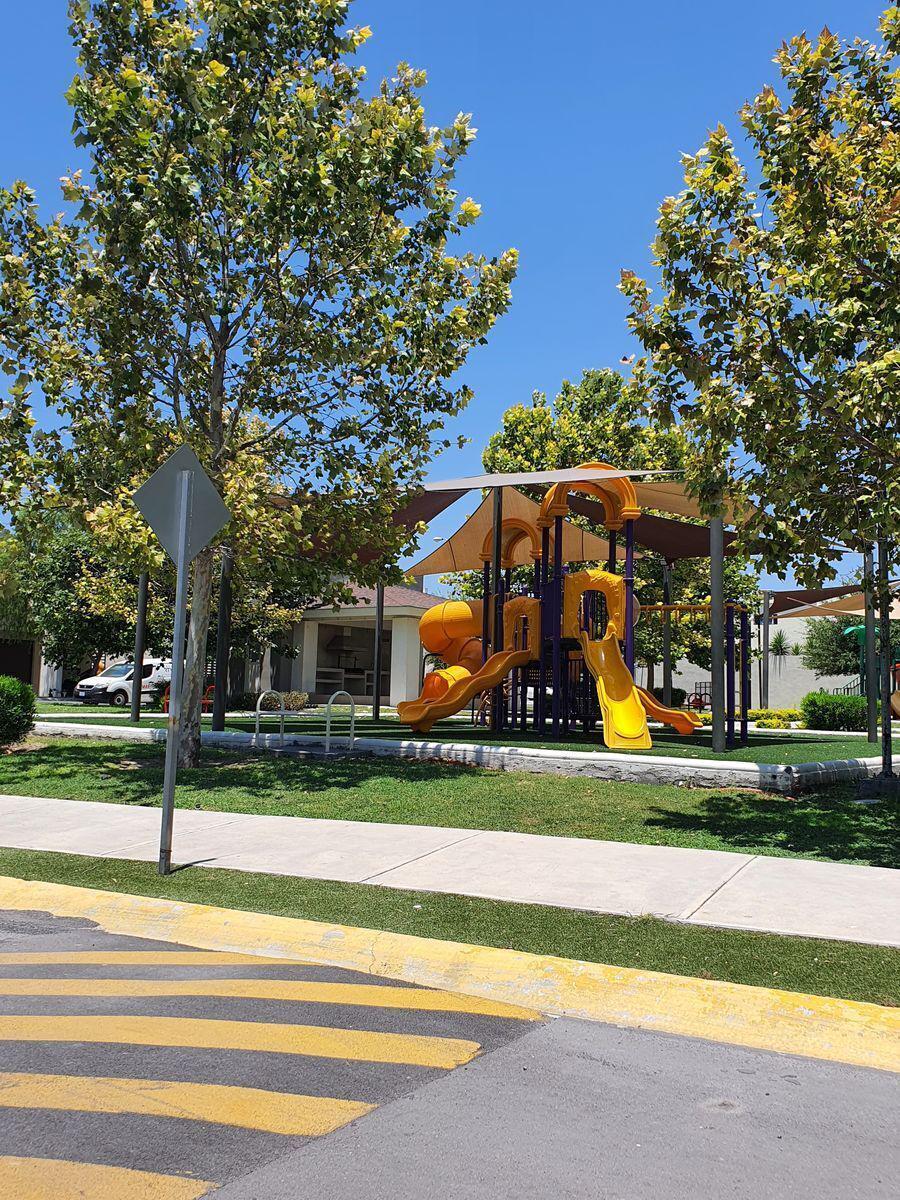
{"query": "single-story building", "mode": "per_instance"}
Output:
(336, 649)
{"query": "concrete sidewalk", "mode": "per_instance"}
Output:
(703, 887)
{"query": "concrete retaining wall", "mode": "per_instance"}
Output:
(627, 768)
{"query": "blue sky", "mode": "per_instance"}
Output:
(582, 109)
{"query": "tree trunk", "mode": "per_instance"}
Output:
(195, 665)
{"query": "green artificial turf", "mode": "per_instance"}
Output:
(824, 825)
(843, 969)
(766, 746)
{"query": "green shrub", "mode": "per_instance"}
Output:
(679, 695)
(821, 710)
(763, 714)
(773, 721)
(242, 701)
(296, 701)
(17, 709)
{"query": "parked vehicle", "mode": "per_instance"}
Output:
(113, 686)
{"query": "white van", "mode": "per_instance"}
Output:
(113, 686)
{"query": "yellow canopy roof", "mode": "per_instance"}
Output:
(463, 550)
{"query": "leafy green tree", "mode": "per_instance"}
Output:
(599, 419)
(773, 345)
(828, 649)
(260, 263)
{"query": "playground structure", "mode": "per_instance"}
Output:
(558, 654)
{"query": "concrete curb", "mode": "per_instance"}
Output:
(845, 1031)
(787, 779)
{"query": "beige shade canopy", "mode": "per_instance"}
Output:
(853, 605)
(463, 551)
(663, 495)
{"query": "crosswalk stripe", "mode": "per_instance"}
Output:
(60, 1179)
(152, 958)
(247, 1108)
(299, 991)
(314, 1040)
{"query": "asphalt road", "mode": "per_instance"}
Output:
(164, 1074)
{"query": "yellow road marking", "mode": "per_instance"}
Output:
(848, 1031)
(315, 1040)
(299, 991)
(58, 1179)
(248, 1108)
(150, 958)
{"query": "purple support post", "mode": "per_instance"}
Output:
(497, 577)
(540, 705)
(611, 563)
(629, 595)
(485, 611)
(745, 675)
(556, 627)
(729, 677)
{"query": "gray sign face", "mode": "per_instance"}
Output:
(157, 500)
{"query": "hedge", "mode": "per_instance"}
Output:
(17, 710)
(679, 695)
(822, 710)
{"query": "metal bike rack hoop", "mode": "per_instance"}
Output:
(262, 696)
(331, 700)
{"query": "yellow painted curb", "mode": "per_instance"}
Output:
(847, 1031)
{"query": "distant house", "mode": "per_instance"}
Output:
(336, 649)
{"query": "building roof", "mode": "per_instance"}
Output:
(395, 597)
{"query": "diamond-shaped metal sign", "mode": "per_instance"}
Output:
(157, 499)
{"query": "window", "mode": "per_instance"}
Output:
(147, 671)
(119, 671)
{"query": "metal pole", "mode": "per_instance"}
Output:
(764, 659)
(884, 625)
(871, 657)
(485, 611)
(629, 596)
(556, 682)
(185, 488)
(729, 677)
(667, 636)
(717, 630)
(379, 638)
(745, 676)
(497, 578)
(611, 562)
(223, 642)
(140, 637)
(540, 707)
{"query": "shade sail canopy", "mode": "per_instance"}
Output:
(653, 489)
(847, 604)
(784, 603)
(537, 478)
(463, 550)
(674, 540)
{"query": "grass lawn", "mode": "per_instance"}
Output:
(824, 825)
(842, 969)
(765, 746)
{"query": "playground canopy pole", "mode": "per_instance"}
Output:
(611, 563)
(379, 637)
(717, 629)
(556, 618)
(729, 677)
(745, 676)
(629, 596)
(884, 624)
(485, 611)
(140, 637)
(871, 657)
(764, 656)
(540, 707)
(667, 635)
(497, 581)
(223, 642)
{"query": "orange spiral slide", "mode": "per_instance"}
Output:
(453, 630)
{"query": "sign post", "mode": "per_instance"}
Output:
(184, 510)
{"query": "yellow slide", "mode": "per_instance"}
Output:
(421, 714)
(681, 721)
(624, 718)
